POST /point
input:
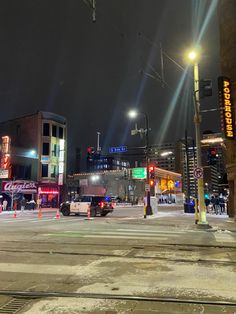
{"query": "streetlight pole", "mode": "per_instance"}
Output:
(197, 120)
(148, 209)
(132, 114)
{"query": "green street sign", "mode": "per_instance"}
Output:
(139, 173)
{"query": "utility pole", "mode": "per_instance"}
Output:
(98, 142)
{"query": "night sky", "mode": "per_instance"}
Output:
(54, 58)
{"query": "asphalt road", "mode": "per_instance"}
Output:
(121, 263)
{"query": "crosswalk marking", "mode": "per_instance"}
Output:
(151, 231)
(224, 237)
(121, 237)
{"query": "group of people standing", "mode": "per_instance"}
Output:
(218, 204)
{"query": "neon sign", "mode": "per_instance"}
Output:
(5, 159)
(226, 106)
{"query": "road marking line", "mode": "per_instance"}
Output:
(123, 237)
(223, 237)
(150, 231)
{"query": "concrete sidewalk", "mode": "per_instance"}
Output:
(176, 218)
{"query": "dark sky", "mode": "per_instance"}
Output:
(54, 58)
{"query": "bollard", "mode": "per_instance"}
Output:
(145, 212)
(14, 216)
(40, 213)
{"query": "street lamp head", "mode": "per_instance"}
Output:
(192, 55)
(133, 113)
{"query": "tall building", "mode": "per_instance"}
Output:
(227, 21)
(37, 152)
(96, 161)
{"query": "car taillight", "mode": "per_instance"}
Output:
(101, 204)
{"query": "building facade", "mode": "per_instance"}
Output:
(227, 22)
(37, 153)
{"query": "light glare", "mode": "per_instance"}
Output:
(132, 114)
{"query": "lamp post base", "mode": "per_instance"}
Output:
(201, 225)
(149, 210)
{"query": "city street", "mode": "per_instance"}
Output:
(121, 263)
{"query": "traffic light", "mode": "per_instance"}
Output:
(90, 153)
(151, 183)
(205, 88)
(151, 172)
(212, 156)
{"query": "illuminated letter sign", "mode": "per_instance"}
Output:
(226, 107)
(5, 159)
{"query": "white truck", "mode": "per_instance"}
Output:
(98, 205)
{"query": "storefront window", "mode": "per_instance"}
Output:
(44, 170)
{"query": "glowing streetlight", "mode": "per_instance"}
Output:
(193, 56)
(133, 114)
(95, 178)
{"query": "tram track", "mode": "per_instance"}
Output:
(179, 246)
(121, 297)
(129, 255)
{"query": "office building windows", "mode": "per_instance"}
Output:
(46, 129)
(45, 149)
(44, 170)
(54, 130)
(61, 132)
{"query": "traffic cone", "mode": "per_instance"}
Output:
(40, 213)
(89, 213)
(14, 216)
(58, 214)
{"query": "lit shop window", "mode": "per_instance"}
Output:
(55, 149)
(53, 171)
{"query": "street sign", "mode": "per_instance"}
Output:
(3, 173)
(147, 187)
(119, 149)
(198, 172)
(139, 173)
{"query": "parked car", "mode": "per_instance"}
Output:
(98, 205)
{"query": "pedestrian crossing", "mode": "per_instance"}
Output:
(33, 218)
(122, 234)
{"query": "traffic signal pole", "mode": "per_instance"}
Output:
(148, 208)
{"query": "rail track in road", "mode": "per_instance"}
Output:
(121, 297)
(132, 250)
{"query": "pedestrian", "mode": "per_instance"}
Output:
(213, 202)
(217, 205)
(23, 203)
(207, 203)
(222, 205)
(4, 205)
(39, 203)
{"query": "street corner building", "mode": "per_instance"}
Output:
(33, 158)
